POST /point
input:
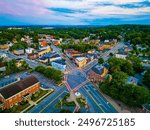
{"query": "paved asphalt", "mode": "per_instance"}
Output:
(70, 64)
(47, 105)
(31, 63)
(105, 56)
(97, 103)
(75, 79)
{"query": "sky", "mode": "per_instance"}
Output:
(74, 12)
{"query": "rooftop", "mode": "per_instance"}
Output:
(132, 80)
(60, 62)
(41, 50)
(99, 69)
(80, 58)
(122, 53)
(17, 87)
(147, 107)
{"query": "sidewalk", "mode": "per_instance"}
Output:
(35, 103)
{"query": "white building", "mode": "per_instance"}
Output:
(3, 55)
(29, 50)
(59, 64)
(121, 55)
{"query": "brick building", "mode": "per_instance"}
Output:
(97, 73)
(16, 92)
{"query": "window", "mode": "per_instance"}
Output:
(11, 105)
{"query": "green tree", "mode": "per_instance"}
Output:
(100, 60)
(137, 66)
(146, 79)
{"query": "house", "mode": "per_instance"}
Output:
(5, 46)
(18, 51)
(121, 55)
(98, 72)
(29, 50)
(19, 62)
(16, 92)
(55, 57)
(44, 43)
(32, 56)
(106, 46)
(3, 55)
(43, 51)
(90, 57)
(132, 80)
(49, 57)
(128, 49)
(2, 67)
(59, 64)
(71, 53)
(43, 60)
(80, 61)
(91, 51)
(56, 42)
(146, 107)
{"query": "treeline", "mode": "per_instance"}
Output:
(106, 32)
(11, 67)
(80, 47)
(138, 35)
(19, 45)
(50, 73)
(118, 87)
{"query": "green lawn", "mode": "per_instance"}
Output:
(65, 103)
(24, 104)
(81, 101)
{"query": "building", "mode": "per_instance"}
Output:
(146, 107)
(132, 80)
(29, 50)
(2, 67)
(43, 60)
(18, 52)
(72, 53)
(5, 46)
(16, 92)
(43, 51)
(49, 57)
(91, 51)
(98, 73)
(32, 56)
(128, 49)
(56, 42)
(80, 61)
(90, 57)
(19, 62)
(59, 64)
(3, 55)
(54, 57)
(121, 55)
(44, 43)
(106, 46)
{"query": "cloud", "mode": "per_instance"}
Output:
(114, 11)
(73, 11)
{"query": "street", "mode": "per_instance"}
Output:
(48, 104)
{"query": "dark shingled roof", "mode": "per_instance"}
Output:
(17, 87)
(98, 69)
